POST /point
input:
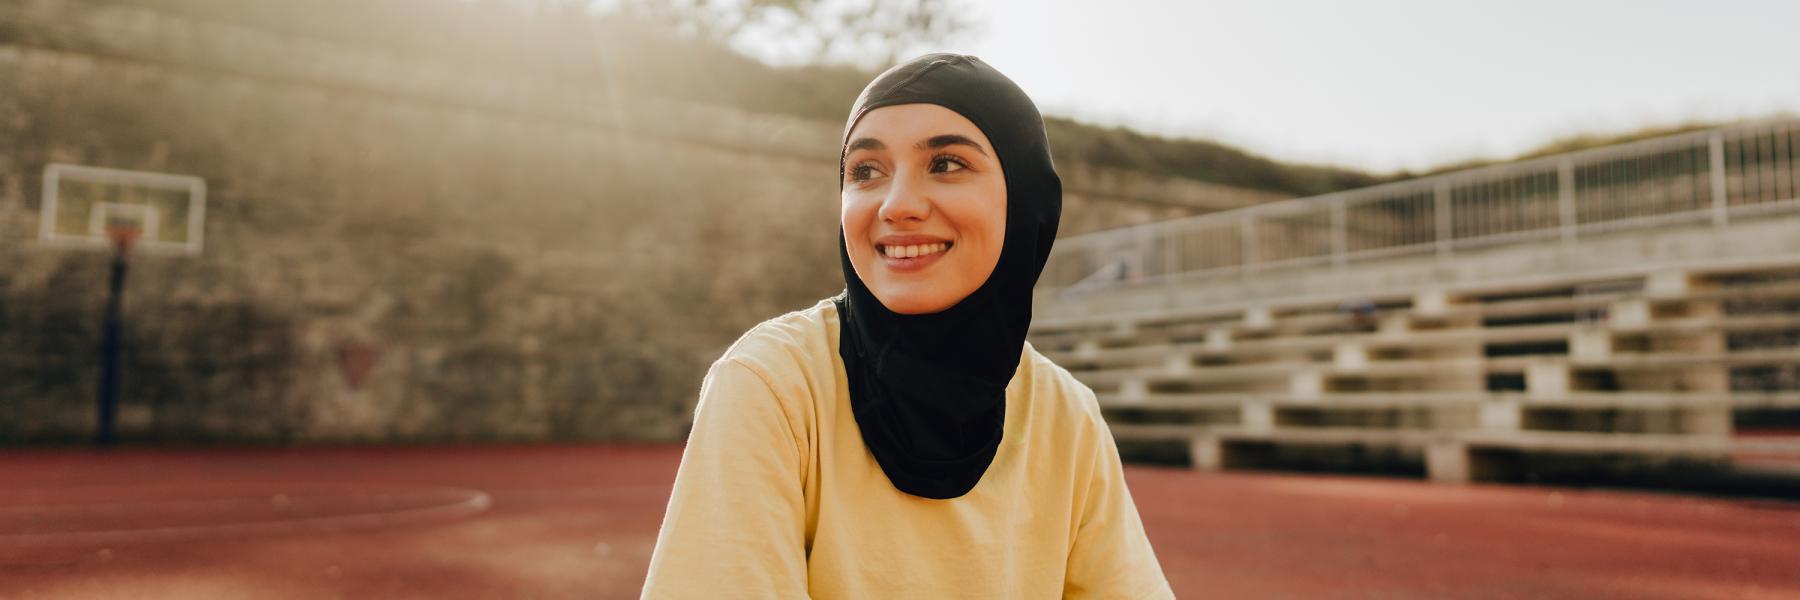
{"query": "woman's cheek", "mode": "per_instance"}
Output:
(858, 217)
(854, 217)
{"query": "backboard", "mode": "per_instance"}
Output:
(81, 203)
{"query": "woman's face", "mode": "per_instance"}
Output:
(924, 206)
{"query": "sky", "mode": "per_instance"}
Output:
(1383, 85)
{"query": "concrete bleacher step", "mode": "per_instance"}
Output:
(1638, 399)
(1451, 456)
(1129, 326)
(1536, 368)
(1093, 356)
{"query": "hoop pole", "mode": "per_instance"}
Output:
(109, 349)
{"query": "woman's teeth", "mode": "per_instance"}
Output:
(915, 251)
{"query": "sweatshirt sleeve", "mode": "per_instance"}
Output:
(735, 526)
(1111, 556)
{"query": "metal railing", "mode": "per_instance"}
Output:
(1714, 176)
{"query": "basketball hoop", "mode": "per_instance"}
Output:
(96, 207)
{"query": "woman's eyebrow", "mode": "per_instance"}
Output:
(864, 144)
(947, 139)
(931, 143)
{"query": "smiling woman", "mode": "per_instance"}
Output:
(924, 216)
(902, 440)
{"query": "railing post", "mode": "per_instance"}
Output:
(1247, 237)
(1146, 242)
(1340, 235)
(1171, 254)
(1440, 210)
(1720, 210)
(1565, 198)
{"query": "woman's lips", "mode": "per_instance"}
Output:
(910, 259)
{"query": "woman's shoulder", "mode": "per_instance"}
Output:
(798, 339)
(1056, 384)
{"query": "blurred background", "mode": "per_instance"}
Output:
(527, 219)
(1539, 242)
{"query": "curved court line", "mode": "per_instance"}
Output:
(578, 493)
(465, 503)
(117, 508)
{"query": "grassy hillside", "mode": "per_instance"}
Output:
(1570, 143)
(555, 40)
(617, 52)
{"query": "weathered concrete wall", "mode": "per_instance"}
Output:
(513, 259)
(517, 278)
(515, 271)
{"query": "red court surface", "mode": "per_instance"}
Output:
(580, 521)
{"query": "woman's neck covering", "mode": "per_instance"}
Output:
(929, 390)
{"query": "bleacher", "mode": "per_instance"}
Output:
(1637, 332)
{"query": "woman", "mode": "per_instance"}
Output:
(902, 440)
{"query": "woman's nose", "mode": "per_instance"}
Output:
(905, 201)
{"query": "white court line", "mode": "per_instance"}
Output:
(463, 503)
(280, 500)
(580, 493)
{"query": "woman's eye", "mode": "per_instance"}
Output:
(947, 164)
(863, 172)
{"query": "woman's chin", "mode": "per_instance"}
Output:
(915, 303)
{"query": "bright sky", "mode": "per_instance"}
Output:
(1388, 84)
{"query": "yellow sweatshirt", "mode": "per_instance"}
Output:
(777, 497)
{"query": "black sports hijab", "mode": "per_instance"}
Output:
(929, 390)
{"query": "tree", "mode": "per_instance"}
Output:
(862, 33)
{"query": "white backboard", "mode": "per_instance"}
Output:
(80, 201)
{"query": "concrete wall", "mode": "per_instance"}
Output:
(516, 264)
(516, 277)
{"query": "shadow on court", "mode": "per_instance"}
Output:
(580, 522)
